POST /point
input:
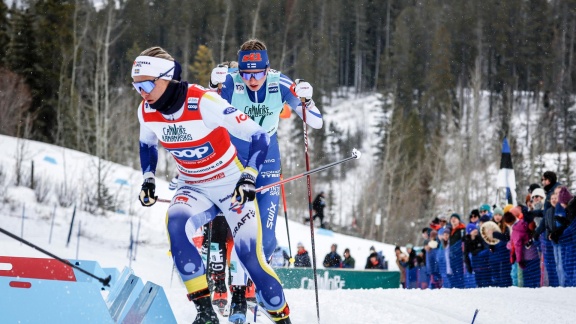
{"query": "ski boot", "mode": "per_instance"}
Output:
(250, 291)
(220, 297)
(238, 305)
(204, 309)
(281, 316)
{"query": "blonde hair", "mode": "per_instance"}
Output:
(158, 52)
(253, 44)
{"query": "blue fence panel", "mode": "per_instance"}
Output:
(433, 269)
(500, 266)
(549, 262)
(568, 247)
(457, 265)
(442, 267)
(422, 277)
(481, 267)
(531, 273)
(411, 277)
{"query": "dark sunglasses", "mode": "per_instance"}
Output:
(256, 75)
(149, 85)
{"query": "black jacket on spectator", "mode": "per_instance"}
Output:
(549, 225)
(332, 260)
(458, 234)
(472, 246)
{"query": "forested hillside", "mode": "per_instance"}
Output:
(448, 80)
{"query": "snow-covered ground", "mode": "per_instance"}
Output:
(105, 238)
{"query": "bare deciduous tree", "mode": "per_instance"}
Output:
(15, 100)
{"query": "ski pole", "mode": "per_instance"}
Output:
(303, 100)
(105, 281)
(475, 313)
(286, 218)
(355, 155)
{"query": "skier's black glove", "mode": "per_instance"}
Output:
(529, 244)
(245, 188)
(147, 197)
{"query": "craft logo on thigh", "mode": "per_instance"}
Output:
(243, 221)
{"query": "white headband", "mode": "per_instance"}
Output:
(153, 66)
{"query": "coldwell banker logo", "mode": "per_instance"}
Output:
(175, 133)
(324, 282)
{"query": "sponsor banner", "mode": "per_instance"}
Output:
(332, 279)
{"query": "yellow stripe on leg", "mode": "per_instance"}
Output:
(196, 284)
(260, 248)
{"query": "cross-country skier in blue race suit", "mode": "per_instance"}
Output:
(261, 93)
(194, 124)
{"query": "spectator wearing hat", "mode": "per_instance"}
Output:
(401, 260)
(457, 232)
(302, 259)
(485, 209)
(443, 221)
(566, 200)
(499, 257)
(527, 259)
(435, 224)
(456, 251)
(549, 183)
(538, 198)
(373, 262)
(474, 218)
(348, 261)
(532, 187)
(332, 259)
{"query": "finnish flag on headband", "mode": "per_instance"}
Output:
(506, 177)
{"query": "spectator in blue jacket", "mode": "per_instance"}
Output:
(333, 259)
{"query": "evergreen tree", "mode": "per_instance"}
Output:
(202, 66)
(4, 36)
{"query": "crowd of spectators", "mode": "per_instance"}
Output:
(531, 244)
